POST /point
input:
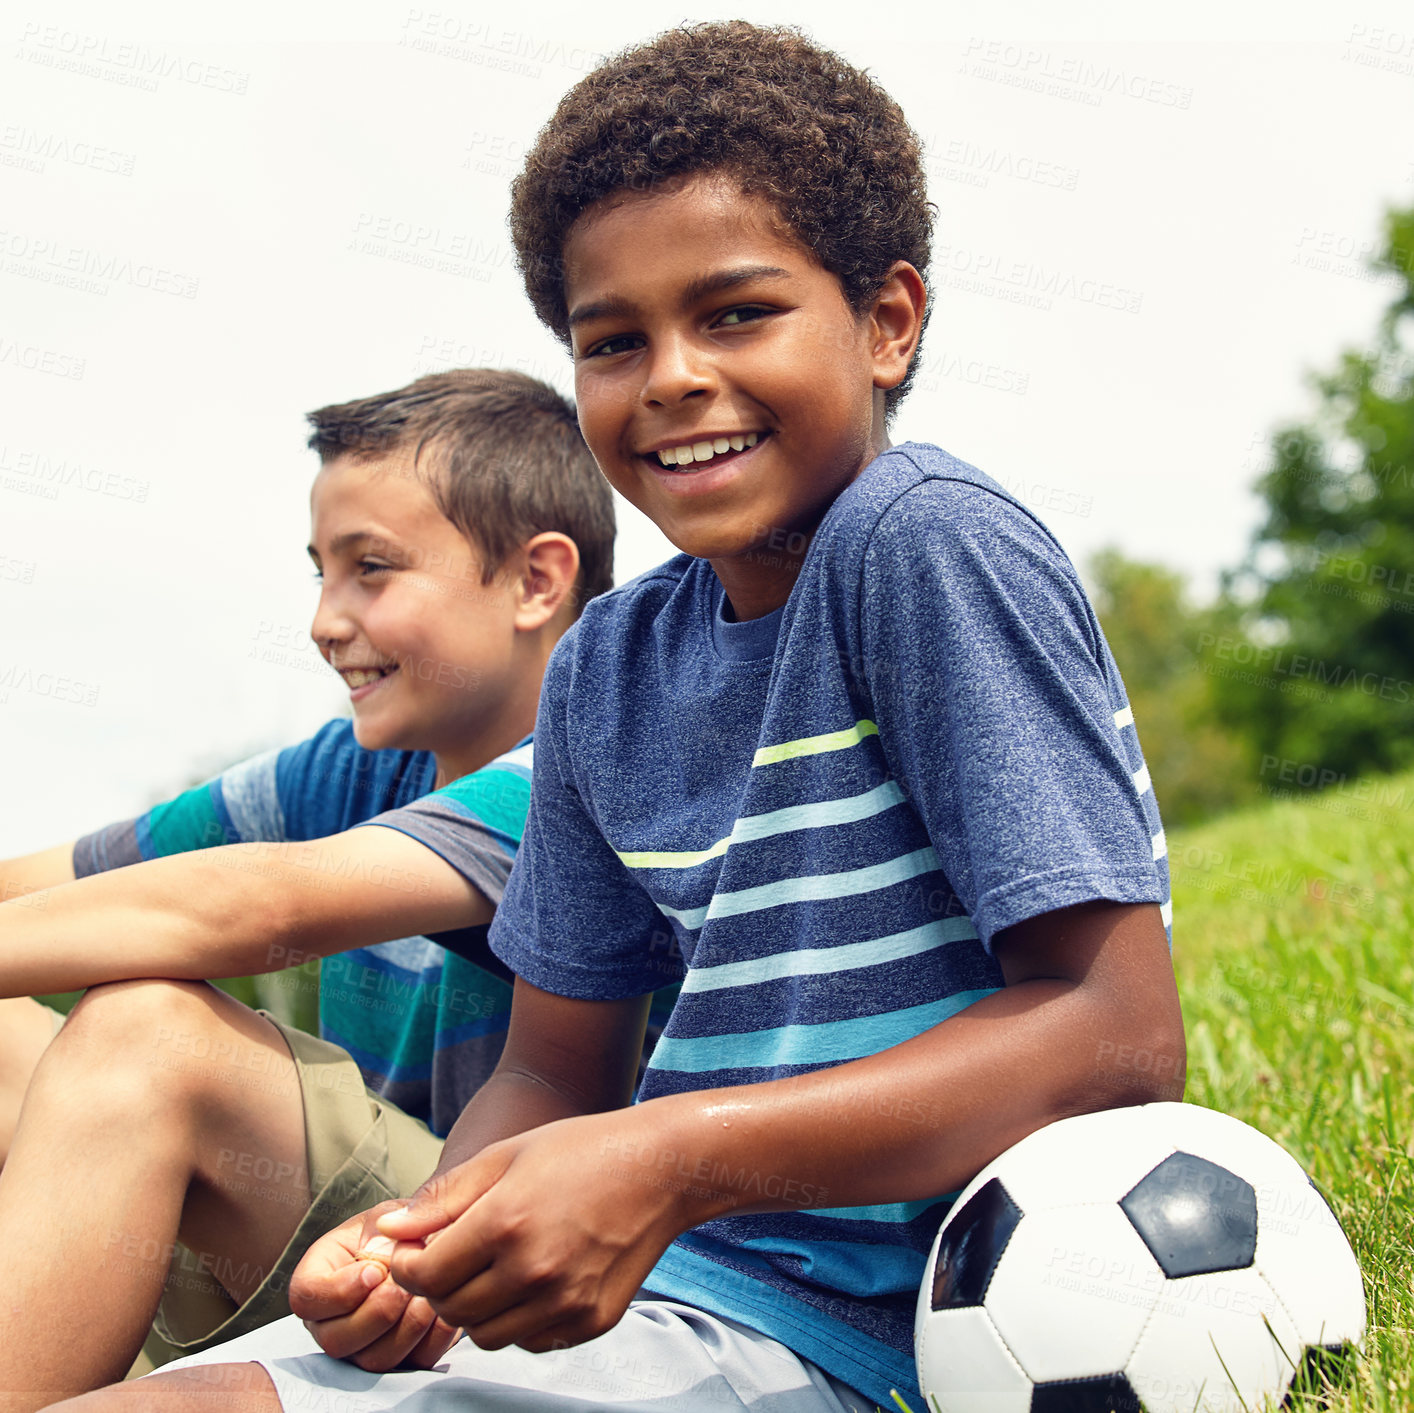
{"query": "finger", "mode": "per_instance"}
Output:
(380, 1312)
(444, 1197)
(453, 1258)
(538, 1326)
(435, 1343)
(316, 1295)
(391, 1350)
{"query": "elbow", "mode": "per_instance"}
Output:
(1140, 1064)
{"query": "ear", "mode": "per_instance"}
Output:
(896, 323)
(549, 567)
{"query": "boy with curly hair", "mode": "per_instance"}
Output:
(861, 744)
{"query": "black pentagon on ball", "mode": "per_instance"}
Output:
(972, 1245)
(1194, 1216)
(1324, 1368)
(1110, 1393)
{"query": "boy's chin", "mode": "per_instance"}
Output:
(375, 735)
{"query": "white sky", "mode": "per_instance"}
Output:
(270, 210)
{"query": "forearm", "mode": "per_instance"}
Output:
(563, 1059)
(236, 910)
(508, 1103)
(912, 1122)
(31, 872)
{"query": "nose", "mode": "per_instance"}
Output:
(677, 369)
(332, 623)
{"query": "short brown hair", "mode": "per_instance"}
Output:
(790, 121)
(507, 461)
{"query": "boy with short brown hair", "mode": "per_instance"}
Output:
(458, 525)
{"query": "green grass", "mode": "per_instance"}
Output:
(1293, 926)
(1294, 949)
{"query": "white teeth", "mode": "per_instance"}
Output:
(358, 677)
(699, 452)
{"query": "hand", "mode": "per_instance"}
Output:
(541, 1240)
(356, 1311)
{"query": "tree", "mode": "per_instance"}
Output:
(1199, 766)
(1328, 589)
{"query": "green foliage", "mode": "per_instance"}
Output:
(1331, 574)
(1199, 765)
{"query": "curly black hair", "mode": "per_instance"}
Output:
(790, 121)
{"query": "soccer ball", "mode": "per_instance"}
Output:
(1143, 1260)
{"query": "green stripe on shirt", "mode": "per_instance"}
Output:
(188, 822)
(815, 745)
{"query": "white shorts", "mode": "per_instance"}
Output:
(662, 1357)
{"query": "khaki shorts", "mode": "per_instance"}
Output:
(360, 1150)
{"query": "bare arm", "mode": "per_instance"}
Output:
(563, 1058)
(528, 1257)
(232, 911)
(31, 872)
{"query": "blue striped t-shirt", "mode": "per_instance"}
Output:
(823, 817)
(424, 1017)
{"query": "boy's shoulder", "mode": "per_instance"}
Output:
(918, 489)
(625, 611)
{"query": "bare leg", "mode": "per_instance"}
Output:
(214, 1388)
(142, 1124)
(26, 1029)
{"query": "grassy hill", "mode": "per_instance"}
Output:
(1294, 948)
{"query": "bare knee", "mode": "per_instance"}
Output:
(142, 1016)
(230, 1388)
(136, 1038)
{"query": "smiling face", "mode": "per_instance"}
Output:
(724, 384)
(427, 649)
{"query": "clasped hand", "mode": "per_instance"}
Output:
(540, 1240)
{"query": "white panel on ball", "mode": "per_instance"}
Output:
(1222, 1139)
(965, 1355)
(1072, 1292)
(1254, 1345)
(1092, 1158)
(1307, 1261)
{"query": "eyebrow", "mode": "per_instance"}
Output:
(348, 540)
(717, 282)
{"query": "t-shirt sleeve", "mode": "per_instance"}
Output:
(239, 806)
(319, 787)
(996, 701)
(475, 823)
(572, 921)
